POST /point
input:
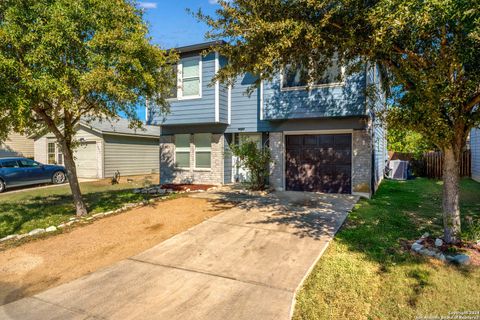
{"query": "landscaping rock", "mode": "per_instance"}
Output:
(417, 247)
(98, 215)
(440, 256)
(9, 237)
(34, 232)
(51, 229)
(438, 242)
(461, 259)
(449, 258)
(62, 225)
(431, 253)
(426, 235)
(21, 236)
(70, 222)
(137, 191)
(108, 213)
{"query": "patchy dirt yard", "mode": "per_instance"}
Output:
(41, 264)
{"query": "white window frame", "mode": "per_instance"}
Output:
(312, 85)
(58, 153)
(180, 95)
(182, 149)
(202, 149)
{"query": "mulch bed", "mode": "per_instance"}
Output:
(185, 187)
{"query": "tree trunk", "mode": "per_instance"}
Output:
(73, 181)
(451, 195)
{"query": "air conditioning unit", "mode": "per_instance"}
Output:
(398, 169)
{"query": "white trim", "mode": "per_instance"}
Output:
(229, 104)
(146, 111)
(261, 100)
(217, 89)
(180, 79)
(317, 132)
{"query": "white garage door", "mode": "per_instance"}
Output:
(86, 160)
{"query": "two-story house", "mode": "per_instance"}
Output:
(322, 136)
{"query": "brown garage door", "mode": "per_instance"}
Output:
(319, 163)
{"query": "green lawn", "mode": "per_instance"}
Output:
(366, 273)
(40, 208)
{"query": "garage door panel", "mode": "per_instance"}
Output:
(86, 160)
(319, 163)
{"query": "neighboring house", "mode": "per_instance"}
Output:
(322, 139)
(106, 147)
(475, 149)
(16, 145)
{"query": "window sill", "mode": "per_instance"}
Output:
(181, 169)
(189, 98)
(318, 86)
(202, 169)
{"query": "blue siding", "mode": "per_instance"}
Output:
(475, 147)
(246, 108)
(338, 101)
(201, 110)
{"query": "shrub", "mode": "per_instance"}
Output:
(256, 161)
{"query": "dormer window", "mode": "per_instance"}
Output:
(296, 77)
(190, 78)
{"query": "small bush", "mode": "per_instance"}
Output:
(256, 161)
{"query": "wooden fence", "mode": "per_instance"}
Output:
(433, 162)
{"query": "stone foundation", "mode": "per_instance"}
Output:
(277, 149)
(361, 163)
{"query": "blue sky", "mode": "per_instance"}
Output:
(171, 25)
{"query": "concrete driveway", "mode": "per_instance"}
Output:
(245, 263)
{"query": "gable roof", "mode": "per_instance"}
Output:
(120, 126)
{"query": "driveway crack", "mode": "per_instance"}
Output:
(211, 274)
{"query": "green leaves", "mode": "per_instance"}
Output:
(76, 57)
(429, 51)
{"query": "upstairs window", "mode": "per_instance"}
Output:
(203, 150)
(182, 150)
(296, 77)
(191, 77)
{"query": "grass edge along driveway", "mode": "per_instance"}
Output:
(366, 273)
(43, 207)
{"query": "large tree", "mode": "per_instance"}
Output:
(62, 60)
(429, 52)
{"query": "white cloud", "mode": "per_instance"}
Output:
(147, 5)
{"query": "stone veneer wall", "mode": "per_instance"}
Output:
(362, 162)
(277, 149)
(361, 166)
(170, 174)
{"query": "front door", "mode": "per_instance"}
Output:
(321, 162)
